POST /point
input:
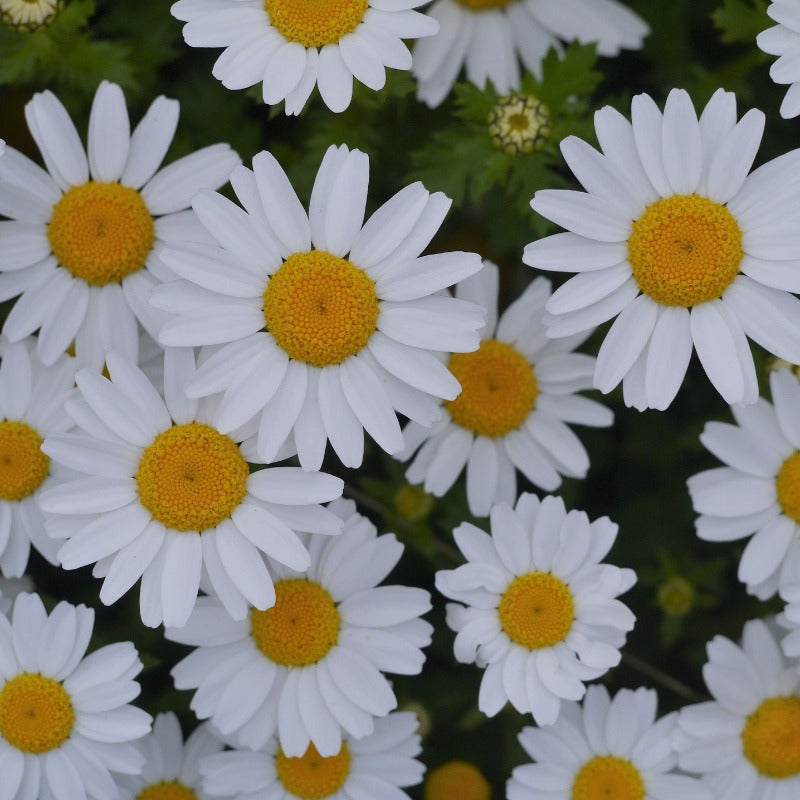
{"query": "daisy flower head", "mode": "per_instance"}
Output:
(163, 496)
(29, 15)
(65, 720)
(782, 40)
(311, 667)
(171, 768)
(490, 37)
(535, 607)
(676, 238)
(81, 243)
(293, 45)
(605, 748)
(757, 492)
(374, 767)
(32, 400)
(325, 325)
(746, 741)
(517, 394)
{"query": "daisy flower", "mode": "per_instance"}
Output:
(782, 40)
(746, 741)
(490, 37)
(372, 768)
(293, 45)
(517, 394)
(311, 666)
(171, 768)
(65, 720)
(539, 611)
(326, 323)
(81, 246)
(164, 496)
(674, 236)
(29, 15)
(758, 491)
(31, 408)
(608, 747)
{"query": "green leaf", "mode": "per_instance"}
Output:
(741, 21)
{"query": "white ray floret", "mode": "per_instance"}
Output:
(783, 40)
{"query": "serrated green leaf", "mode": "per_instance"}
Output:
(741, 20)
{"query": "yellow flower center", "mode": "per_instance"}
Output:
(787, 484)
(676, 596)
(312, 776)
(101, 232)
(483, 5)
(771, 737)
(456, 780)
(498, 389)
(412, 502)
(191, 477)
(166, 790)
(519, 123)
(35, 713)
(685, 250)
(23, 466)
(321, 309)
(300, 628)
(314, 23)
(536, 610)
(608, 778)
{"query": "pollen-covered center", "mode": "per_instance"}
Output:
(23, 466)
(312, 776)
(300, 628)
(787, 484)
(191, 477)
(35, 713)
(608, 778)
(536, 610)
(456, 779)
(498, 389)
(771, 737)
(166, 790)
(685, 250)
(315, 23)
(321, 309)
(101, 232)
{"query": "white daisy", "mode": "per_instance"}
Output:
(606, 748)
(372, 768)
(31, 408)
(758, 491)
(517, 393)
(673, 233)
(326, 322)
(65, 720)
(790, 619)
(311, 667)
(28, 15)
(490, 37)
(783, 40)
(293, 45)
(746, 742)
(81, 246)
(539, 613)
(171, 768)
(165, 496)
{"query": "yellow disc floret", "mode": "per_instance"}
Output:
(35, 713)
(536, 610)
(456, 780)
(498, 389)
(300, 628)
(519, 123)
(312, 776)
(321, 309)
(23, 466)
(101, 232)
(191, 477)
(315, 23)
(787, 484)
(166, 790)
(608, 778)
(685, 250)
(771, 737)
